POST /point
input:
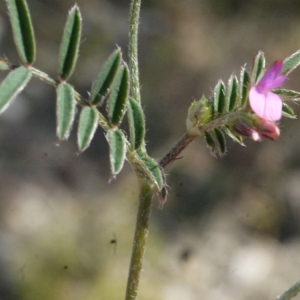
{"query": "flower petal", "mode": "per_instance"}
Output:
(269, 130)
(273, 109)
(267, 82)
(267, 105)
(277, 82)
(257, 101)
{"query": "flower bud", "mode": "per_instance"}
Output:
(243, 127)
(255, 128)
(268, 129)
(200, 112)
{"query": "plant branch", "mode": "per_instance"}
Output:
(172, 155)
(140, 240)
(81, 100)
(49, 80)
(185, 140)
(131, 155)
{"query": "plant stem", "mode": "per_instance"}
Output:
(133, 49)
(82, 101)
(140, 240)
(146, 189)
(172, 155)
(291, 292)
(185, 140)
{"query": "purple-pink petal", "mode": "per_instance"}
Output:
(277, 82)
(271, 76)
(266, 105)
(263, 102)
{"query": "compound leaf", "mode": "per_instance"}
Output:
(117, 150)
(153, 170)
(290, 63)
(118, 97)
(88, 123)
(220, 137)
(12, 85)
(232, 93)
(244, 86)
(136, 123)
(65, 110)
(70, 43)
(288, 111)
(258, 67)
(220, 98)
(22, 30)
(105, 78)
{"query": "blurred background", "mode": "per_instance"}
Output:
(230, 228)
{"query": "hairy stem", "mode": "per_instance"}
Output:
(291, 292)
(172, 155)
(140, 240)
(185, 140)
(146, 189)
(133, 49)
(49, 80)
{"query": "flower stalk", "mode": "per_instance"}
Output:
(187, 138)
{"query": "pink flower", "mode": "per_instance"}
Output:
(268, 130)
(255, 128)
(263, 102)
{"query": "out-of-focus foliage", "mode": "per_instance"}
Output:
(230, 228)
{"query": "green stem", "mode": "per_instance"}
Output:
(146, 190)
(82, 101)
(140, 240)
(133, 49)
(291, 292)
